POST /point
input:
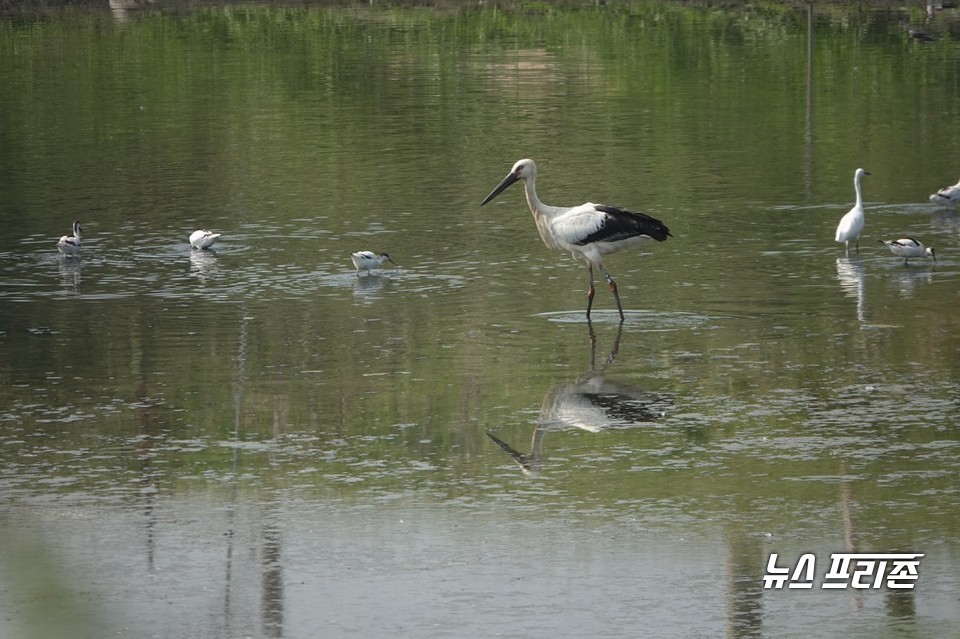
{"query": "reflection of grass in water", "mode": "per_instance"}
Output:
(42, 600)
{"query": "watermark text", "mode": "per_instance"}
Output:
(847, 570)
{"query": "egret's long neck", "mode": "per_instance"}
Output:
(856, 187)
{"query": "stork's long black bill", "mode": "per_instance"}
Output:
(507, 181)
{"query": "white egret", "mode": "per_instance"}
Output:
(851, 224)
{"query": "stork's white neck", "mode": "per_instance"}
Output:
(530, 189)
(542, 213)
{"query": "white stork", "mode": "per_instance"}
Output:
(591, 230)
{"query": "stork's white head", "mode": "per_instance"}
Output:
(524, 169)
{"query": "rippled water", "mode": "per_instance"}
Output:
(255, 441)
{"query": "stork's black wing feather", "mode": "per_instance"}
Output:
(620, 224)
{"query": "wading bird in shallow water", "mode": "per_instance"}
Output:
(591, 230)
(948, 195)
(851, 224)
(367, 260)
(908, 247)
(70, 244)
(203, 239)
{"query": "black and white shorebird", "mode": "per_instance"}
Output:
(948, 195)
(70, 244)
(590, 230)
(203, 239)
(908, 247)
(851, 224)
(368, 260)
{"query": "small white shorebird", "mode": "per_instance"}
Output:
(203, 239)
(590, 230)
(851, 224)
(948, 195)
(367, 260)
(70, 244)
(908, 247)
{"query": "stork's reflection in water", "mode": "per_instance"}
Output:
(593, 402)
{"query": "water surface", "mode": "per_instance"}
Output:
(254, 441)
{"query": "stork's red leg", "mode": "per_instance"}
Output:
(613, 289)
